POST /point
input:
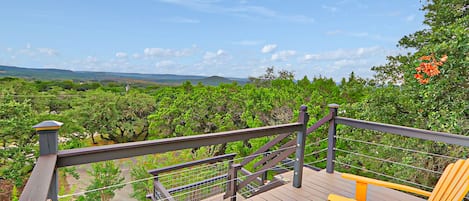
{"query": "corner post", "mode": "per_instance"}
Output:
(48, 144)
(331, 140)
(233, 181)
(300, 147)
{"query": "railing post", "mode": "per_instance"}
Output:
(48, 144)
(300, 147)
(232, 185)
(331, 140)
(264, 175)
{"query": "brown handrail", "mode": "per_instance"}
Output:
(125, 150)
(406, 131)
(37, 186)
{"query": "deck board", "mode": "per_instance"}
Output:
(317, 185)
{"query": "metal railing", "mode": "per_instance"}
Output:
(43, 183)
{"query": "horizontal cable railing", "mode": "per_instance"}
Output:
(395, 157)
(395, 147)
(387, 161)
(383, 175)
(406, 131)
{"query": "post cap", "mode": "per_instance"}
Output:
(304, 108)
(48, 125)
(333, 105)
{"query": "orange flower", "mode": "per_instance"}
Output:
(430, 68)
(418, 76)
(444, 58)
(425, 58)
(424, 81)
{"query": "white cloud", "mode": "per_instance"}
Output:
(244, 10)
(136, 56)
(214, 55)
(410, 18)
(161, 52)
(33, 52)
(121, 55)
(330, 8)
(344, 54)
(181, 20)
(283, 55)
(349, 63)
(48, 51)
(269, 48)
(91, 59)
(309, 57)
(377, 37)
(214, 60)
(334, 32)
(165, 64)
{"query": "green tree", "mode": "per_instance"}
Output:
(17, 138)
(118, 118)
(443, 103)
(106, 177)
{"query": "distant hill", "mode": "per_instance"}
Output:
(59, 74)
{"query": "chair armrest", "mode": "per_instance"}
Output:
(386, 184)
(334, 197)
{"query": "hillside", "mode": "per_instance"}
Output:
(60, 74)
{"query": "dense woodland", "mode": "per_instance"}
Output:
(426, 88)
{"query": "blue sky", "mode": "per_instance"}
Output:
(235, 38)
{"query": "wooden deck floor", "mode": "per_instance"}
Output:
(318, 185)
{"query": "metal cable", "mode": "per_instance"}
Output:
(393, 147)
(388, 161)
(316, 152)
(384, 175)
(318, 142)
(318, 161)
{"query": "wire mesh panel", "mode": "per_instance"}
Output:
(196, 183)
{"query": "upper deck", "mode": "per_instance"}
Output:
(278, 170)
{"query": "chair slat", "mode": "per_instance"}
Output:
(456, 177)
(464, 189)
(439, 188)
(463, 180)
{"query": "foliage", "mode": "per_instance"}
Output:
(426, 89)
(118, 118)
(14, 194)
(442, 104)
(105, 174)
(17, 154)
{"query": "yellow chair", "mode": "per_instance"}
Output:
(453, 185)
